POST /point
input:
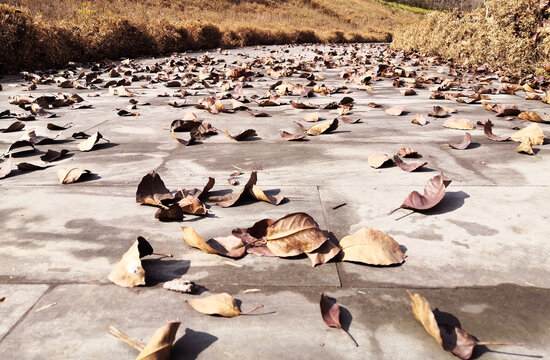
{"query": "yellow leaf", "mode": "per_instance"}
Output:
(220, 304)
(532, 132)
(160, 345)
(377, 160)
(459, 124)
(422, 312)
(525, 147)
(371, 246)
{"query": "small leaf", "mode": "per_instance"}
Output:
(488, 131)
(531, 116)
(89, 143)
(377, 160)
(407, 167)
(419, 120)
(434, 191)
(525, 147)
(330, 311)
(7, 165)
(221, 304)
(323, 128)
(230, 246)
(464, 144)
(395, 111)
(459, 124)
(15, 126)
(243, 135)
(128, 272)
(71, 175)
(422, 312)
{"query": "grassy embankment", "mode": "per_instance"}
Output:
(512, 35)
(40, 34)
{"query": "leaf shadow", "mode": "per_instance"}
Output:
(159, 270)
(88, 177)
(25, 153)
(106, 145)
(473, 145)
(190, 345)
(480, 350)
(453, 200)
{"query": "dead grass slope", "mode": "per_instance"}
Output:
(513, 35)
(39, 34)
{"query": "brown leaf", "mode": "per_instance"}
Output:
(124, 112)
(395, 111)
(459, 124)
(304, 105)
(330, 311)
(25, 166)
(232, 198)
(532, 132)
(438, 111)
(243, 135)
(376, 160)
(151, 190)
(171, 213)
(184, 125)
(160, 344)
(257, 114)
(291, 137)
(408, 92)
(293, 235)
(374, 105)
(372, 247)
(313, 117)
(464, 144)
(347, 120)
(230, 246)
(323, 253)
(407, 152)
(422, 312)
(190, 204)
(260, 195)
(194, 136)
(434, 191)
(419, 120)
(488, 131)
(128, 272)
(89, 143)
(407, 167)
(323, 128)
(7, 165)
(15, 126)
(71, 175)
(19, 144)
(506, 110)
(531, 116)
(220, 304)
(54, 127)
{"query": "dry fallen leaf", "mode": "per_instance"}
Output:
(128, 272)
(230, 246)
(488, 131)
(249, 190)
(377, 160)
(422, 312)
(89, 143)
(408, 92)
(15, 126)
(434, 191)
(160, 344)
(419, 120)
(151, 190)
(532, 132)
(243, 135)
(464, 144)
(330, 311)
(531, 116)
(395, 111)
(459, 124)
(321, 128)
(7, 165)
(221, 304)
(407, 167)
(372, 247)
(71, 175)
(525, 147)
(292, 137)
(323, 253)
(313, 117)
(407, 152)
(293, 235)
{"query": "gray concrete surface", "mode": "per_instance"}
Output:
(480, 255)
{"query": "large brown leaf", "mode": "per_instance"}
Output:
(160, 344)
(434, 191)
(330, 311)
(151, 190)
(220, 304)
(52, 155)
(230, 246)
(372, 247)
(532, 133)
(128, 272)
(293, 235)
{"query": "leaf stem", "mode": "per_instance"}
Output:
(497, 343)
(252, 310)
(350, 337)
(394, 210)
(125, 338)
(161, 254)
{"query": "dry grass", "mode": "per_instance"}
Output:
(39, 34)
(503, 34)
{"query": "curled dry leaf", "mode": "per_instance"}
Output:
(6, 167)
(54, 127)
(71, 175)
(292, 137)
(330, 311)
(419, 120)
(293, 235)
(372, 247)
(322, 128)
(532, 132)
(434, 191)
(15, 126)
(89, 143)
(304, 105)
(525, 147)
(193, 137)
(347, 120)
(220, 304)
(160, 344)
(128, 272)
(250, 189)
(395, 111)
(531, 116)
(377, 160)
(506, 110)
(488, 131)
(464, 144)
(438, 111)
(407, 167)
(422, 312)
(243, 135)
(230, 246)
(459, 124)
(151, 190)
(184, 125)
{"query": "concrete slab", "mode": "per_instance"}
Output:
(18, 299)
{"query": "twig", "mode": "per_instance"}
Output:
(252, 310)
(339, 206)
(350, 337)
(394, 210)
(496, 343)
(125, 338)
